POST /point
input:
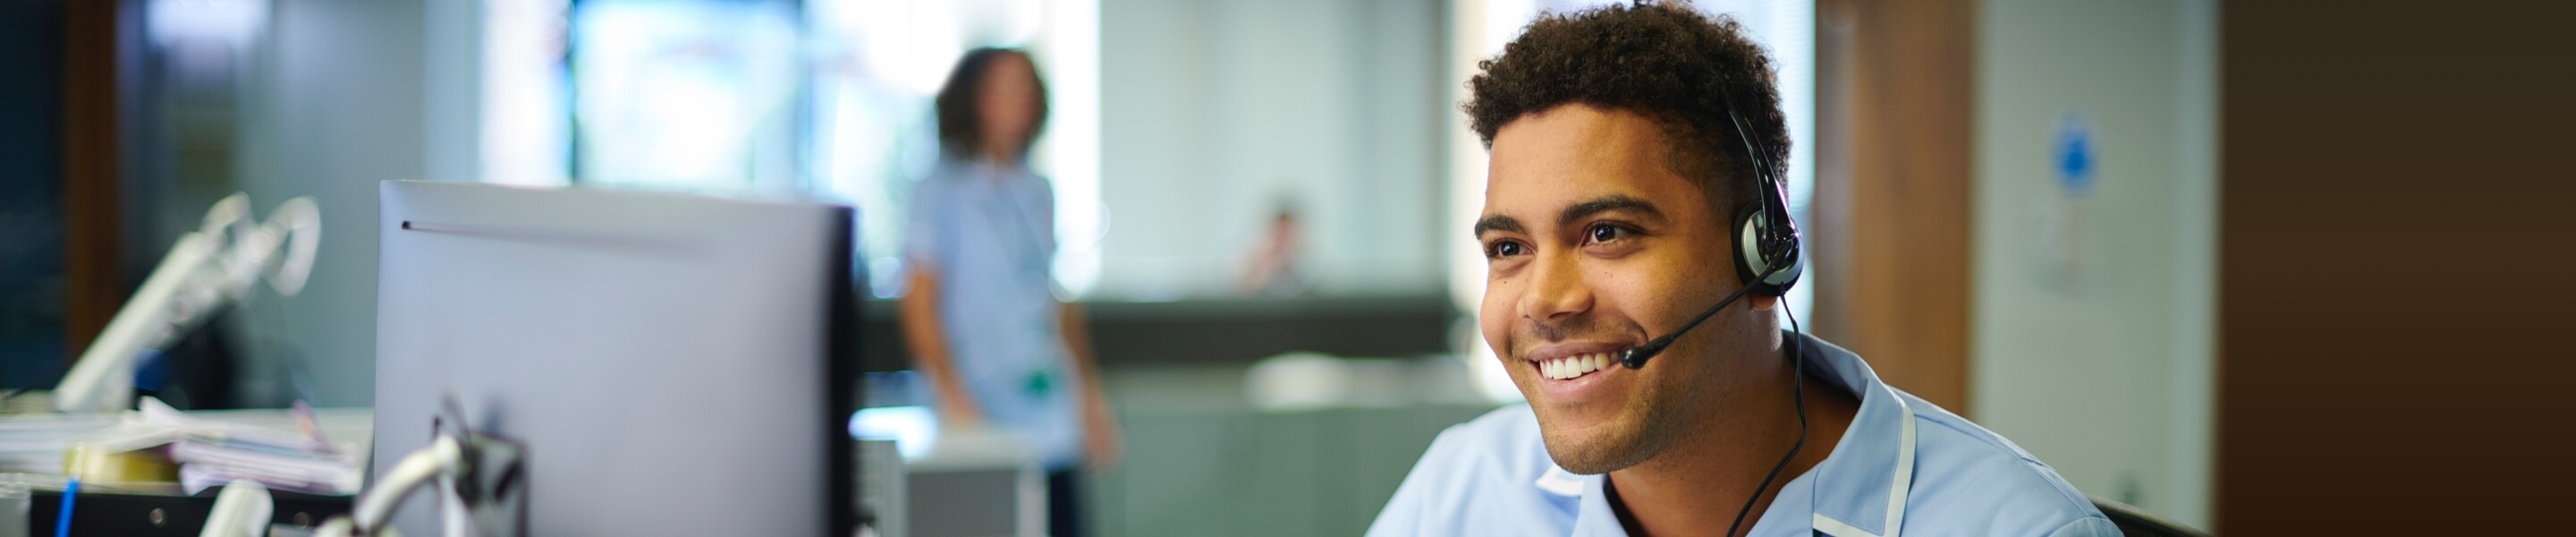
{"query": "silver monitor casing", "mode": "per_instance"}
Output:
(668, 361)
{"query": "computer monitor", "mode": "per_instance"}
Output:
(673, 364)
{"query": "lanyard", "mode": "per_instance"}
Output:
(1027, 255)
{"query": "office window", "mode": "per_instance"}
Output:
(696, 95)
(826, 98)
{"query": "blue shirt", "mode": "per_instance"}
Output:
(987, 232)
(1904, 464)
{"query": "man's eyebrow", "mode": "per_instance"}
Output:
(1498, 223)
(1614, 202)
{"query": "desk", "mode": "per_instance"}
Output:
(161, 509)
(141, 515)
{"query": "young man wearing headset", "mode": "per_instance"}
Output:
(1632, 185)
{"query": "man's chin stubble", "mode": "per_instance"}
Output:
(1605, 452)
(1592, 459)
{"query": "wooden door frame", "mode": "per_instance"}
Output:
(1894, 210)
(93, 285)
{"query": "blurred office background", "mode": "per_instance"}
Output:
(2263, 267)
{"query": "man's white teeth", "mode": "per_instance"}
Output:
(1574, 366)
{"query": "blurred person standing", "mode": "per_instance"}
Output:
(1274, 270)
(981, 314)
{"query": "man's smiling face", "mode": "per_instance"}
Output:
(1593, 244)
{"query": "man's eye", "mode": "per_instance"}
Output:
(1505, 249)
(1606, 232)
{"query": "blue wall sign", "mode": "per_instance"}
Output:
(2077, 161)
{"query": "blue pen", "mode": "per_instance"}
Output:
(63, 522)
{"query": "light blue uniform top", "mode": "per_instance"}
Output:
(1904, 467)
(988, 232)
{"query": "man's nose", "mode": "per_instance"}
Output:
(1557, 290)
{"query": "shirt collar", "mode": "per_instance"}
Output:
(1857, 490)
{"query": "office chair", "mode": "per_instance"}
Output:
(2140, 523)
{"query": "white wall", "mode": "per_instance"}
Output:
(1211, 110)
(2093, 345)
(333, 102)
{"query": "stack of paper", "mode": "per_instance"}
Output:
(34, 443)
(210, 448)
(212, 453)
(211, 461)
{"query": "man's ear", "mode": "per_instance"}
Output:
(1762, 302)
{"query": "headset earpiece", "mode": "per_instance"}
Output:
(1765, 237)
(1762, 243)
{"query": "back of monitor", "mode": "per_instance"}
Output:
(667, 361)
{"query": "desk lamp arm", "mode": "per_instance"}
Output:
(207, 269)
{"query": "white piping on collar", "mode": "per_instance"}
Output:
(1904, 480)
(1837, 528)
(1560, 482)
(1898, 485)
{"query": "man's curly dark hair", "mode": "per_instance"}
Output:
(1667, 62)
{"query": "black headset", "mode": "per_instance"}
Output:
(1767, 255)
